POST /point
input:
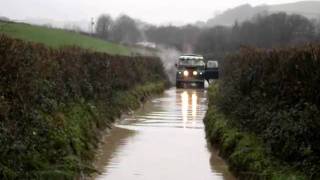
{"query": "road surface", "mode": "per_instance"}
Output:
(164, 140)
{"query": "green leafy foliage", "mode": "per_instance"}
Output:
(275, 95)
(245, 152)
(53, 103)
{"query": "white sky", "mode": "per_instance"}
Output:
(152, 11)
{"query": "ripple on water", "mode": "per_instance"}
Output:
(163, 140)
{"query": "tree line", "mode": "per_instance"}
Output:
(123, 29)
(275, 30)
(265, 31)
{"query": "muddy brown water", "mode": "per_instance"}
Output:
(164, 140)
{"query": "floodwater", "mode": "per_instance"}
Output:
(164, 140)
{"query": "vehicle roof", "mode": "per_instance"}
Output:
(191, 56)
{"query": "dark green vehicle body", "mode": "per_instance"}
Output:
(190, 71)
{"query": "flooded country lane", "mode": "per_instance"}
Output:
(163, 140)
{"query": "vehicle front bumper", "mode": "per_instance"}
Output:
(190, 80)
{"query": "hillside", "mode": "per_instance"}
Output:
(309, 9)
(58, 38)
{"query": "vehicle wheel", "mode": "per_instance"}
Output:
(178, 85)
(201, 85)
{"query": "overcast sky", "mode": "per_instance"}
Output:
(152, 11)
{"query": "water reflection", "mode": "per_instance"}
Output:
(163, 140)
(108, 149)
(194, 108)
(185, 107)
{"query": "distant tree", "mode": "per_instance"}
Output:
(317, 23)
(215, 41)
(275, 30)
(167, 35)
(182, 38)
(281, 29)
(125, 30)
(302, 29)
(103, 26)
(190, 35)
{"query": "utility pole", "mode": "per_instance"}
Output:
(92, 25)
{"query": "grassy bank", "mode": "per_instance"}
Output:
(245, 152)
(58, 38)
(55, 102)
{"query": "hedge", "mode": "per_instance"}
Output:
(53, 103)
(275, 94)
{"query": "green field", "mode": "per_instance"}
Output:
(58, 38)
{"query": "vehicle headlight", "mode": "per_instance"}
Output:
(195, 73)
(185, 73)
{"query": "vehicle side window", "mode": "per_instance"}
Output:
(200, 63)
(212, 64)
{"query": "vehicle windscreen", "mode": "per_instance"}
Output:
(191, 62)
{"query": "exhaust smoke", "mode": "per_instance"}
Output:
(169, 57)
